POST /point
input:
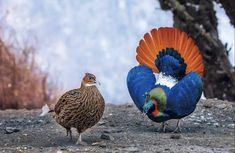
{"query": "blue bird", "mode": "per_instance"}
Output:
(173, 57)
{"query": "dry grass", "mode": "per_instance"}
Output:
(22, 83)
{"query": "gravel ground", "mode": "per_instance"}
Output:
(122, 129)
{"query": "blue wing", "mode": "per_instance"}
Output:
(140, 79)
(183, 97)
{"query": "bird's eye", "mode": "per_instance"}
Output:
(90, 78)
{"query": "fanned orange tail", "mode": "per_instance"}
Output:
(160, 39)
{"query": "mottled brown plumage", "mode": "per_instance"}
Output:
(80, 108)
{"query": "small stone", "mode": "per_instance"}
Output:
(131, 149)
(107, 137)
(216, 124)
(102, 145)
(96, 143)
(9, 130)
(167, 149)
(175, 136)
(231, 126)
(102, 122)
(221, 106)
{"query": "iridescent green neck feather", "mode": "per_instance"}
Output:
(160, 96)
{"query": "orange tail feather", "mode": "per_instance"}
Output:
(162, 38)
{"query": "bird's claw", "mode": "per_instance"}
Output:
(163, 127)
(177, 129)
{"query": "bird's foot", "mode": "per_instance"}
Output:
(79, 141)
(163, 127)
(177, 129)
(82, 143)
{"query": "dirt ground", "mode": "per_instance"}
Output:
(122, 129)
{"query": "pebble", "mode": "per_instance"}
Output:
(175, 136)
(102, 122)
(202, 117)
(9, 130)
(231, 126)
(100, 144)
(107, 137)
(131, 149)
(207, 105)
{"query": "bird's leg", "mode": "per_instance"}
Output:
(69, 133)
(177, 129)
(163, 127)
(79, 141)
(79, 138)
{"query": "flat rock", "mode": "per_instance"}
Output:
(9, 130)
(231, 126)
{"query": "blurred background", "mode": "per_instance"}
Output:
(47, 46)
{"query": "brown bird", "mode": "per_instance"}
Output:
(80, 108)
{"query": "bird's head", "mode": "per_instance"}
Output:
(151, 104)
(89, 79)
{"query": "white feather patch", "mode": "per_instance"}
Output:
(45, 110)
(89, 85)
(165, 80)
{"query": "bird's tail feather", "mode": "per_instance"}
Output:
(159, 40)
(46, 109)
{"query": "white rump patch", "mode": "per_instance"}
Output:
(162, 79)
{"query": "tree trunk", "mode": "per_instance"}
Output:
(197, 18)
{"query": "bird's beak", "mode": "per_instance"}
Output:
(98, 83)
(145, 111)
